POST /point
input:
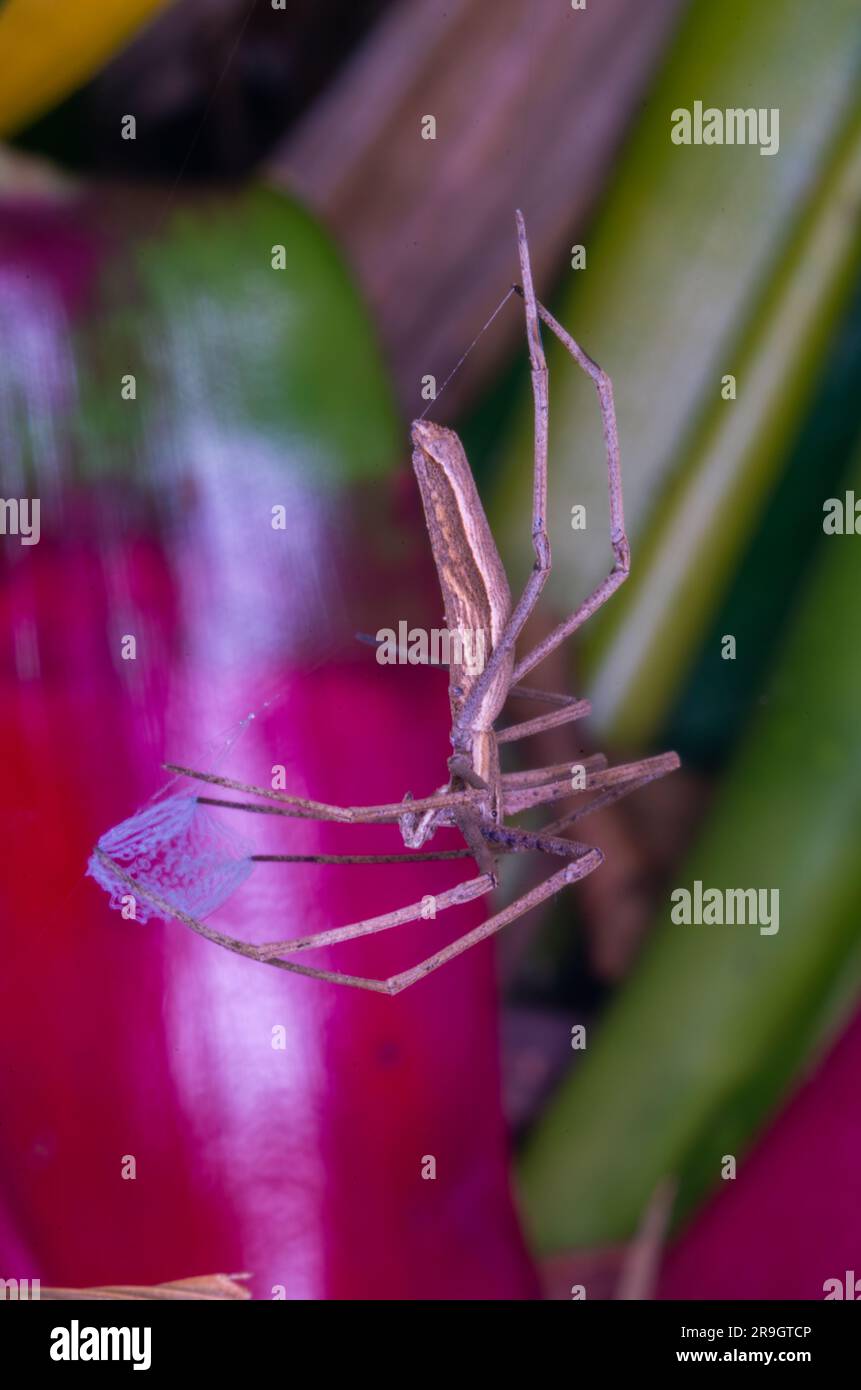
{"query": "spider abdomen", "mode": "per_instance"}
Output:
(473, 581)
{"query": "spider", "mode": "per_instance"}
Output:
(478, 799)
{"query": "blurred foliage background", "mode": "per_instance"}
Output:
(700, 262)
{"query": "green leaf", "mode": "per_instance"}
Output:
(705, 1037)
(707, 515)
(208, 328)
(706, 260)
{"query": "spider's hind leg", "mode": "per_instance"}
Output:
(271, 953)
(579, 867)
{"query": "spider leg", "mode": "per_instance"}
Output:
(404, 858)
(460, 766)
(565, 715)
(618, 537)
(302, 808)
(472, 830)
(539, 776)
(519, 692)
(523, 798)
(609, 796)
(512, 840)
(267, 952)
(452, 897)
(540, 543)
(583, 862)
(570, 873)
(545, 697)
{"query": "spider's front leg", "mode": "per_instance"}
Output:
(536, 313)
(487, 808)
(618, 536)
(504, 646)
(417, 829)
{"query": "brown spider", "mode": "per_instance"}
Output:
(478, 798)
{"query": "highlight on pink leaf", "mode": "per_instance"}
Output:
(178, 850)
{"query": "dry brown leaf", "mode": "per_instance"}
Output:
(206, 1287)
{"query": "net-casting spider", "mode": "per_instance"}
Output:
(478, 799)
